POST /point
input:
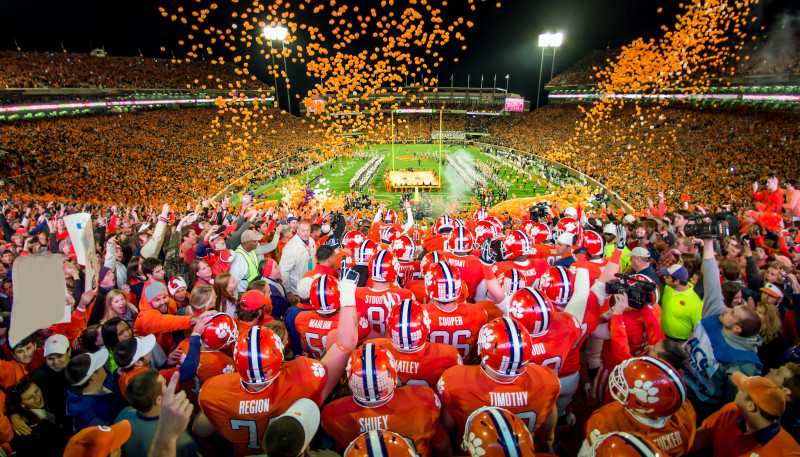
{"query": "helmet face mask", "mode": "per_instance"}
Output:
(258, 356)
(647, 386)
(372, 374)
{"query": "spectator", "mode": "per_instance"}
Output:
(681, 308)
(90, 400)
(298, 256)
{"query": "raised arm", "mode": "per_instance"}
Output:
(712, 301)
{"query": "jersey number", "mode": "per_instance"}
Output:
(458, 340)
(376, 315)
(313, 341)
(252, 431)
(529, 417)
(553, 363)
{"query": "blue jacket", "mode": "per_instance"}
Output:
(95, 409)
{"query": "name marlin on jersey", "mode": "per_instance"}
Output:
(450, 321)
(254, 406)
(538, 349)
(373, 423)
(508, 398)
(406, 366)
(669, 441)
(321, 324)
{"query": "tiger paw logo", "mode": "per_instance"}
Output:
(426, 318)
(516, 309)
(228, 369)
(223, 330)
(318, 369)
(645, 391)
(474, 445)
(486, 338)
(363, 322)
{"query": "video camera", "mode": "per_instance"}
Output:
(639, 292)
(716, 225)
(538, 211)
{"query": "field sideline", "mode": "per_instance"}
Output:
(340, 171)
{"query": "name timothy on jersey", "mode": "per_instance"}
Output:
(254, 406)
(669, 441)
(406, 366)
(508, 398)
(451, 320)
(322, 324)
(373, 423)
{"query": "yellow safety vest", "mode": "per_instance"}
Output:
(252, 266)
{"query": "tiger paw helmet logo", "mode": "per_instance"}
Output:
(645, 392)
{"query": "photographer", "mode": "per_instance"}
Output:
(724, 341)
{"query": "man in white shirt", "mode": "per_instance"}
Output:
(298, 256)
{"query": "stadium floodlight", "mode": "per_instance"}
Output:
(279, 33)
(548, 40)
(275, 33)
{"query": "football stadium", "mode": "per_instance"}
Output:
(400, 227)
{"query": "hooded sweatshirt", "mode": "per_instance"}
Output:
(715, 355)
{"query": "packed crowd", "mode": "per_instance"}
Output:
(364, 175)
(59, 70)
(141, 157)
(222, 330)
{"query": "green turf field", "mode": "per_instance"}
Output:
(340, 171)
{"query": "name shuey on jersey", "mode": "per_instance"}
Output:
(366, 424)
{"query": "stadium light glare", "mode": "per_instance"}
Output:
(551, 40)
(275, 33)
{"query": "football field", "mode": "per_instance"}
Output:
(340, 171)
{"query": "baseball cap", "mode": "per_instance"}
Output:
(154, 290)
(142, 346)
(253, 300)
(251, 235)
(303, 411)
(566, 238)
(639, 251)
(98, 440)
(629, 219)
(96, 361)
(773, 290)
(56, 344)
(667, 236)
(571, 212)
(326, 228)
(610, 229)
(174, 284)
(675, 271)
(304, 287)
(764, 393)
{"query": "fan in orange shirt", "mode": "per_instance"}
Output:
(411, 411)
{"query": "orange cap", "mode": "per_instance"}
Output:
(764, 393)
(98, 440)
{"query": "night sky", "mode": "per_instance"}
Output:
(503, 40)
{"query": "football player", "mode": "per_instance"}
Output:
(405, 250)
(452, 322)
(240, 405)
(411, 411)
(390, 219)
(457, 248)
(651, 401)
(218, 335)
(379, 443)
(496, 432)
(372, 301)
(504, 379)
(419, 362)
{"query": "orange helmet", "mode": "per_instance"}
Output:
(480, 214)
(648, 386)
(383, 267)
(625, 444)
(389, 234)
(371, 374)
(496, 432)
(593, 242)
(379, 443)
(404, 248)
(536, 231)
(459, 240)
(516, 244)
(324, 294)
(557, 284)
(484, 230)
(531, 309)
(409, 326)
(390, 216)
(352, 240)
(258, 355)
(442, 282)
(364, 252)
(504, 347)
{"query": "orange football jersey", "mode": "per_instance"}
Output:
(416, 235)
(675, 437)
(531, 396)
(458, 328)
(242, 416)
(370, 303)
(212, 363)
(423, 367)
(531, 269)
(314, 328)
(342, 260)
(408, 272)
(378, 228)
(544, 252)
(552, 349)
(412, 412)
(590, 320)
(433, 243)
(471, 271)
